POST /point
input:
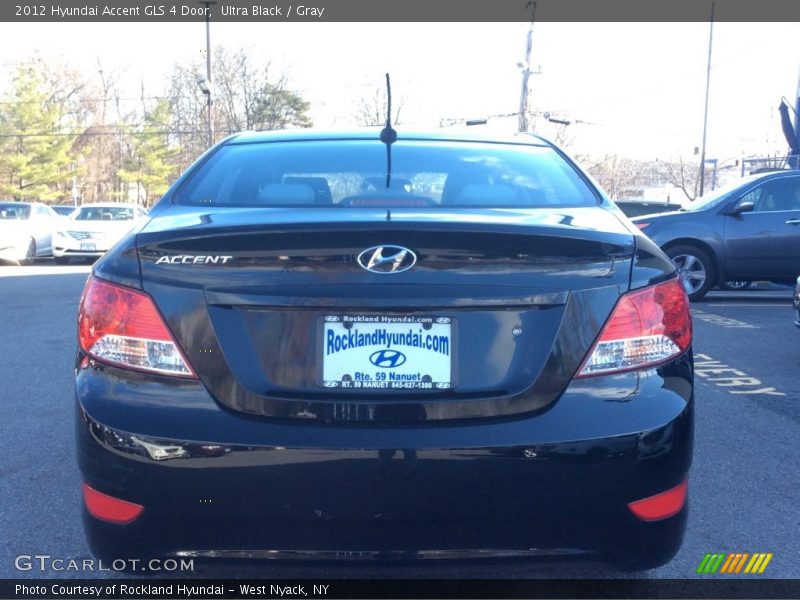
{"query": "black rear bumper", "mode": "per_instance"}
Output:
(215, 481)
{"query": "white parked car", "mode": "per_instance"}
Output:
(26, 230)
(94, 228)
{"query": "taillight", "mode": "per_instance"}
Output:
(647, 327)
(107, 508)
(122, 326)
(661, 506)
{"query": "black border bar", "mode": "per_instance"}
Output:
(399, 10)
(213, 589)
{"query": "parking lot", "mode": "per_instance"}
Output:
(744, 490)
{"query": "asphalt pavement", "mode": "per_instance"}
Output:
(744, 484)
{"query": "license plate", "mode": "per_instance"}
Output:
(374, 352)
(86, 247)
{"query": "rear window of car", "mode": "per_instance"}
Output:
(355, 173)
(12, 211)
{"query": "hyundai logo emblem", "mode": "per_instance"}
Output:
(387, 359)
(387, 259)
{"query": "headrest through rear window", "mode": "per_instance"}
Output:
(322, 191)
(286, 193)
(480, 193)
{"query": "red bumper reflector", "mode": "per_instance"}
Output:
(107, 508)
(661, 506)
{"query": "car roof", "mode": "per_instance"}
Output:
(373, 133)
(770, 175)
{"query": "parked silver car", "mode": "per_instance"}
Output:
(26, 231)
(749, 231)
(93, 228)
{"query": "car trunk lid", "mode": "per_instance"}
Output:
(268, 303)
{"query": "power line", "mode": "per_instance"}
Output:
(112, 99)
(103, 133)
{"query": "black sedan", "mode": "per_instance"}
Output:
(359, 345)
(745, 232)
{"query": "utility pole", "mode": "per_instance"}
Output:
(207, 88)
(705, 114)
(526, 74)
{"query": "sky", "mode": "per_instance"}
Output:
(633, 89)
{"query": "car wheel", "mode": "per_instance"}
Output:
(30, 253)
(695, 268)
(733, 285)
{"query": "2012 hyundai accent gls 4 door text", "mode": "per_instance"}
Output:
(385, 345)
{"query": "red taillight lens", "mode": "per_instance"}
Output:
(107, 508)
(661, 506)
(122, 326)
(647, 327)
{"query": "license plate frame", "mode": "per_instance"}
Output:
(88, 247)
(357, 368)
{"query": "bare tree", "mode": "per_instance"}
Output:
(371, 109)
(102, 142)
(619, 177)
(187, 110)
(248, 96)
(562, 138)
(682, 175)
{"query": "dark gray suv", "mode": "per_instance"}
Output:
(748, 231)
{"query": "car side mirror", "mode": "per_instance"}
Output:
(742, 206)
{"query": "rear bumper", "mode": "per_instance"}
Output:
(215, 482)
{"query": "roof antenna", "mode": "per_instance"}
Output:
(388, 135)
